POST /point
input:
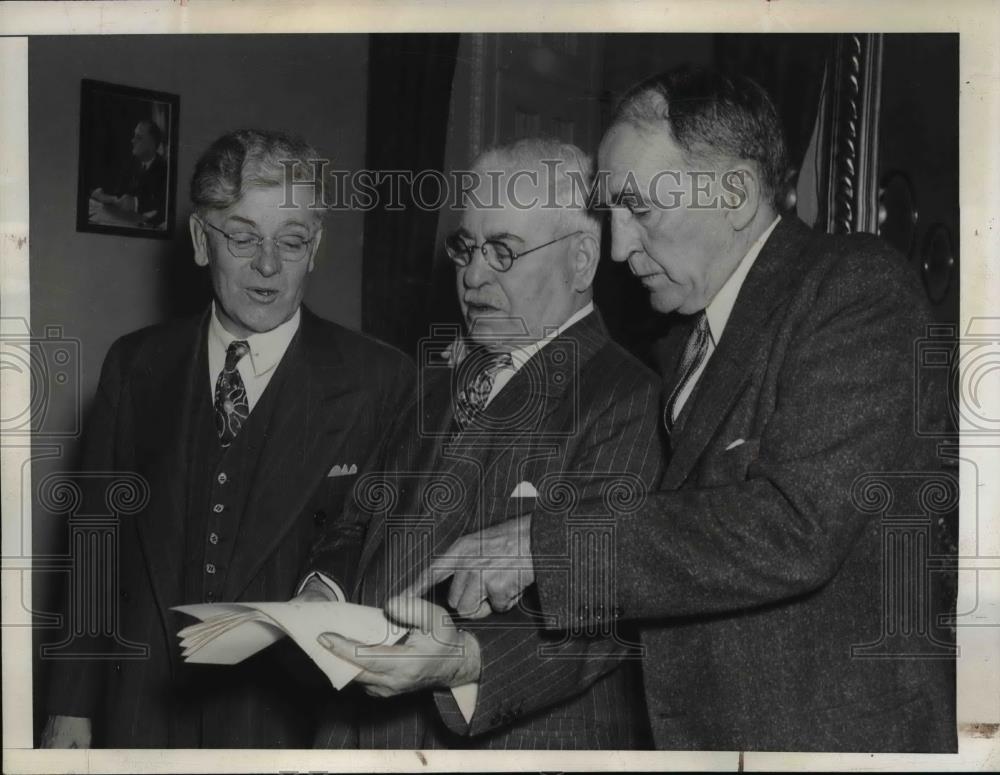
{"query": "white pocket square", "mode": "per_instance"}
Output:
(524, 490)
(343, 470)
(735, 444)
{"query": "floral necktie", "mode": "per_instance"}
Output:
(231, 406)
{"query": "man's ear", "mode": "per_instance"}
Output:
(587, 253)
(314, 248)
(740, 192)
(199, 238)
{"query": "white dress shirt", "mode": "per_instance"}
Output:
(256, 367)
(720, 308)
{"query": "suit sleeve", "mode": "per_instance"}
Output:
(525, 667)
(844, 406)
(75, 685)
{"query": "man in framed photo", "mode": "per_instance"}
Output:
(141, 193)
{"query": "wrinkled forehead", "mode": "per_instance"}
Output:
(632, 154)
(275, 206)
(509, 198)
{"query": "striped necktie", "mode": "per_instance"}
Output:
(695, 352)
(231, 405)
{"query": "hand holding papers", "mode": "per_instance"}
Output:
(228, 633)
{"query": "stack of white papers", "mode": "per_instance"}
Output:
(228, 633)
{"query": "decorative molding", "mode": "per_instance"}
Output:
(852, 132)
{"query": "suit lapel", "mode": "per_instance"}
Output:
(165, 396)
(427, 431)
(517, 416)
(314, 411)
(746, 334)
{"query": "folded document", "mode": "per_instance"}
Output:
(228, 633)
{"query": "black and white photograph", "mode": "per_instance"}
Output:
(512, 394)
(128, 160)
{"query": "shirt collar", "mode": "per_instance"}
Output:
(721, 307)
(458, 349)
(266, 349)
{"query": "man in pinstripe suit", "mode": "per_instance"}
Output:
(534, 409)
(241, 420)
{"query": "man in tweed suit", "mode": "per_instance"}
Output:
(755, 571)
(239, 420)
(538, 407)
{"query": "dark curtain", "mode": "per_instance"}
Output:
(790, 68)
(409, 91)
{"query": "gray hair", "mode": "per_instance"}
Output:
(565, 172)
(249, 158)
(712, 115)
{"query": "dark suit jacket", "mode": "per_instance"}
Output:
(338, 389)
(578, 418)
(757, 570)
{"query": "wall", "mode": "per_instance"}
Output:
(98, 287)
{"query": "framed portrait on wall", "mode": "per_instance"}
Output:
(128, 160)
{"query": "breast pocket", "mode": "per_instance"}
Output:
(331, 498)
(729, 466)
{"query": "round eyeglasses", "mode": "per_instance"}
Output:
(498, 254)
(246, 244)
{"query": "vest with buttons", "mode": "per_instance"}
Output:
(219, 483)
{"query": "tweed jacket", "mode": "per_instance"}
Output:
(760, 573)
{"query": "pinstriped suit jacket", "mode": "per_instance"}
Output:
(578, 419)
(338, 390)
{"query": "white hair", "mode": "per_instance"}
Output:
(565, 173)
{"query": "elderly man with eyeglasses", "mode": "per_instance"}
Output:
(531, 407)
(246, 422)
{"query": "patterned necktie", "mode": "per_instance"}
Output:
(695, 352)
(471, 399)
(231, 406)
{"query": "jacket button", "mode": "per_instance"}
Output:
(319, 517)
(124, 595)
(222, 478)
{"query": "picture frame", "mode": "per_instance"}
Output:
(127, 182)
